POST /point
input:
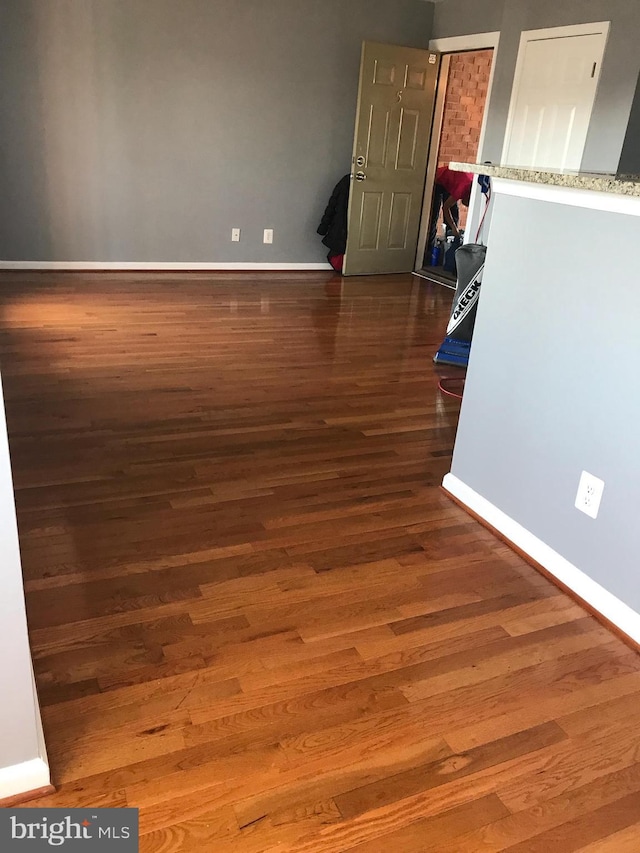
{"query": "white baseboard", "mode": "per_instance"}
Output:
(22, 778)
(136, 265)
(596, 596)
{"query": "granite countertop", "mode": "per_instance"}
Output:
(599, 182)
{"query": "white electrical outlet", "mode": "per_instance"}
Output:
(235, 235)
(589, 495)
(268, 235)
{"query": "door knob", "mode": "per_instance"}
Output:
(360, 176)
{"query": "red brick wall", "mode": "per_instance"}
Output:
(466, 97)
(464, 106)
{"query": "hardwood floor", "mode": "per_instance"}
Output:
(255, 616)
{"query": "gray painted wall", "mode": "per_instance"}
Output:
(466, 17)
(619, 73)
(18, 720)
(144, 130)
(552, 384)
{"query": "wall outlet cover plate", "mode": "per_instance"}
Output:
(590, 489)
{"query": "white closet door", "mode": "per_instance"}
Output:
(552, 100)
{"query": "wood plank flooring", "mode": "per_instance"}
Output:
(255, 616)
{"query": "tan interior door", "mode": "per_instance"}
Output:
(393, 130)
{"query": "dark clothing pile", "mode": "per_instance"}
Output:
(333, 227)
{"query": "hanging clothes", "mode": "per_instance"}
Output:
(333, 226)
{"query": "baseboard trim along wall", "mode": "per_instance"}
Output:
(614, 612)
(20, 780)
(135, 265)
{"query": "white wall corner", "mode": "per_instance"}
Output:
(42, 748)
(596, 596)
(30, 775)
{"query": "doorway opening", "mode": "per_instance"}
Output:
(460, 111)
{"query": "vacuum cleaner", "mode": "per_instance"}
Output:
(455, 349)
(469, 260)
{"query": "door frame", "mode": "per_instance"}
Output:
(598, 28)
(446, 46)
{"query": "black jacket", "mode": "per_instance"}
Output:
(334, 222)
